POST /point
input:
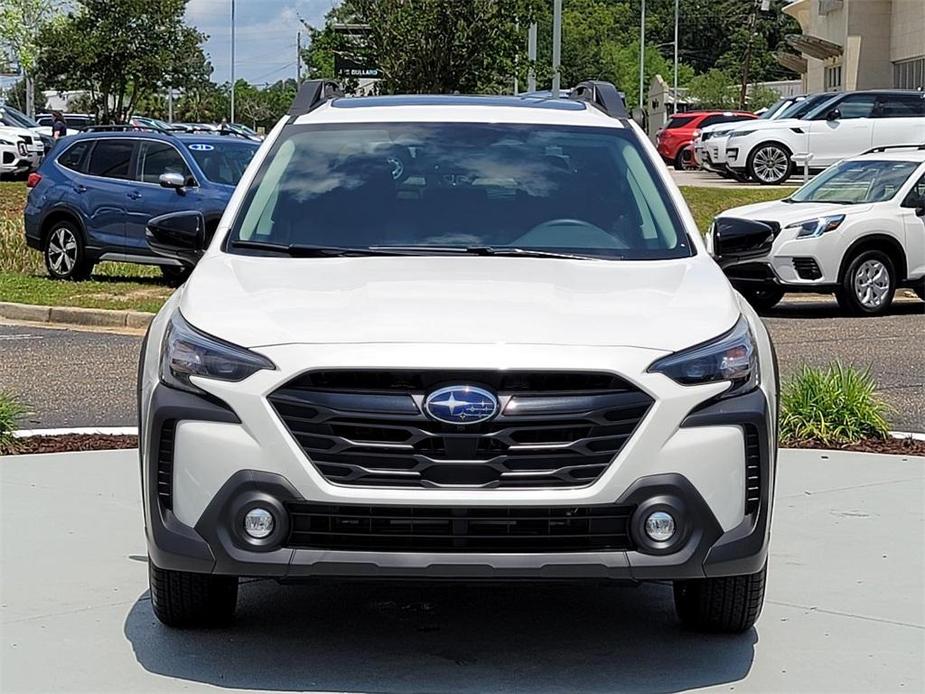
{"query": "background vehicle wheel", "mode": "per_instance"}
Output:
(730, 604)
(763, 298)
(182, 599)
(684, 159)
(174, 275)
(869, 284)
(65, 256)
(769, 164)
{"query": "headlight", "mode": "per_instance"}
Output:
(740, 133)
(813, 228)
(732, 357)
(187, 352)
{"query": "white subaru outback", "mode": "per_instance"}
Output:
(447, 337)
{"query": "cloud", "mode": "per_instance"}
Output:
(265, 35)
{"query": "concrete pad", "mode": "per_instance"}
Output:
(87, 316)
(845, 609)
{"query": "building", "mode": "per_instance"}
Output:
(857, 44)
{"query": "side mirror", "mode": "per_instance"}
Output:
(736, 239)
(173, 180)
(834, 114)
(178, 235)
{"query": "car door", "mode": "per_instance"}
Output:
(104, 193)
(156, 157)
(899, 119)
(914, 228)
(844, 129)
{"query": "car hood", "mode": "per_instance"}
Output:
(260, 301)
(786, 213)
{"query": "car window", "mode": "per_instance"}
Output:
(855, 106)
(857, 181)
(111, 158)
(76, 122)
(223, 161)
(552, 188)
(807, 107)
(75, 157)
(917, 194)
(901, 106)
(712, 120)
(678, 122)
(156, 158)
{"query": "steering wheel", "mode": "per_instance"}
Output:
(567, 232)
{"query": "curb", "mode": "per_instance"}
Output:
(70, 315)
(103, 431)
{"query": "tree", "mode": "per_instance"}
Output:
(714, 89)
(119, 51)
(21, 22)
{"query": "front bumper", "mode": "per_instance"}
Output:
(708, 545)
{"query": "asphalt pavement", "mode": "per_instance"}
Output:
(845, 608)
(79, 378)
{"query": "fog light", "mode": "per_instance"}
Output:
(259, 523)
(660, 526)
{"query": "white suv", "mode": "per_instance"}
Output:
(858, 230)
(455, 337)
(840, 127)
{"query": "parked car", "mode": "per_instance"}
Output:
(14, 156)
(455, 337)
(674, 140)
(35, 149)
(709, 143)
(13, 118)
(75, 122)
(90, 201)
(857, 229)
(840, 127)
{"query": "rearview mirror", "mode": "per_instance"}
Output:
(177, 235)
(736, 239)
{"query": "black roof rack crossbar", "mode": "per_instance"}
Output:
(884, 148)
(311, 95)
(119, 127)
(602, 95)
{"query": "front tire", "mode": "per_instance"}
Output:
(182, 599)
(730, 604)
(65, 253)
(769, 164)
(763, 298)
(869, 284)
(684, 159)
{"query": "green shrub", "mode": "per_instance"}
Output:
(11, 410)
(835, 406)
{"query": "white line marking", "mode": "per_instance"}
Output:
(21, 336)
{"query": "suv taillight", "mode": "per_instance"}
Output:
(34, 179)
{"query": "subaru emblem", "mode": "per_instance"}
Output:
(461, 405)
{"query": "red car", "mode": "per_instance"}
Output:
(674, 140)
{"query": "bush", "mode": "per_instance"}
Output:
(11, 410)
(835, 406)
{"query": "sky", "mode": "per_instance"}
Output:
(265, 46)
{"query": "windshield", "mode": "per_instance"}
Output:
(810, 103)
(15, 118)
(442, 187)
(223, 161)
(779, 105)
(856, 182)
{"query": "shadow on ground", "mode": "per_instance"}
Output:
(826, 307)
(444, 638)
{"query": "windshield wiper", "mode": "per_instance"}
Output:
(488, 250)
(298, 250)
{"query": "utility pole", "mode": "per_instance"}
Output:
(675, 100)
(231, 120)
(170, 104)
(298, 59)
(531, 55)
(642, 55)
(556, 45)
(746, 64)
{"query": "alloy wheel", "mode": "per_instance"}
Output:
(871, 283)
(770, 164)
(62, 251)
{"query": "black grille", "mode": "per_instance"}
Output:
(750, 272)
(165, 463)
(555, 429)
(454, 529)
(807, 268)
(752, 469)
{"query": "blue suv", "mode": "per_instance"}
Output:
(93, 196)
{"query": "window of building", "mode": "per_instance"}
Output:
(909, 74)
(831, 78)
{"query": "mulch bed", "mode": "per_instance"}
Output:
(102, 442)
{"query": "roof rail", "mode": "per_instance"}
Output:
(311, 95)
(602, 95)
(120, 127)
(884, 148)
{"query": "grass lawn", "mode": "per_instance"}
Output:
(120, 285)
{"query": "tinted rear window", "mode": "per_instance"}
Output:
(111, 158)
(75, 157)
(678, 122)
